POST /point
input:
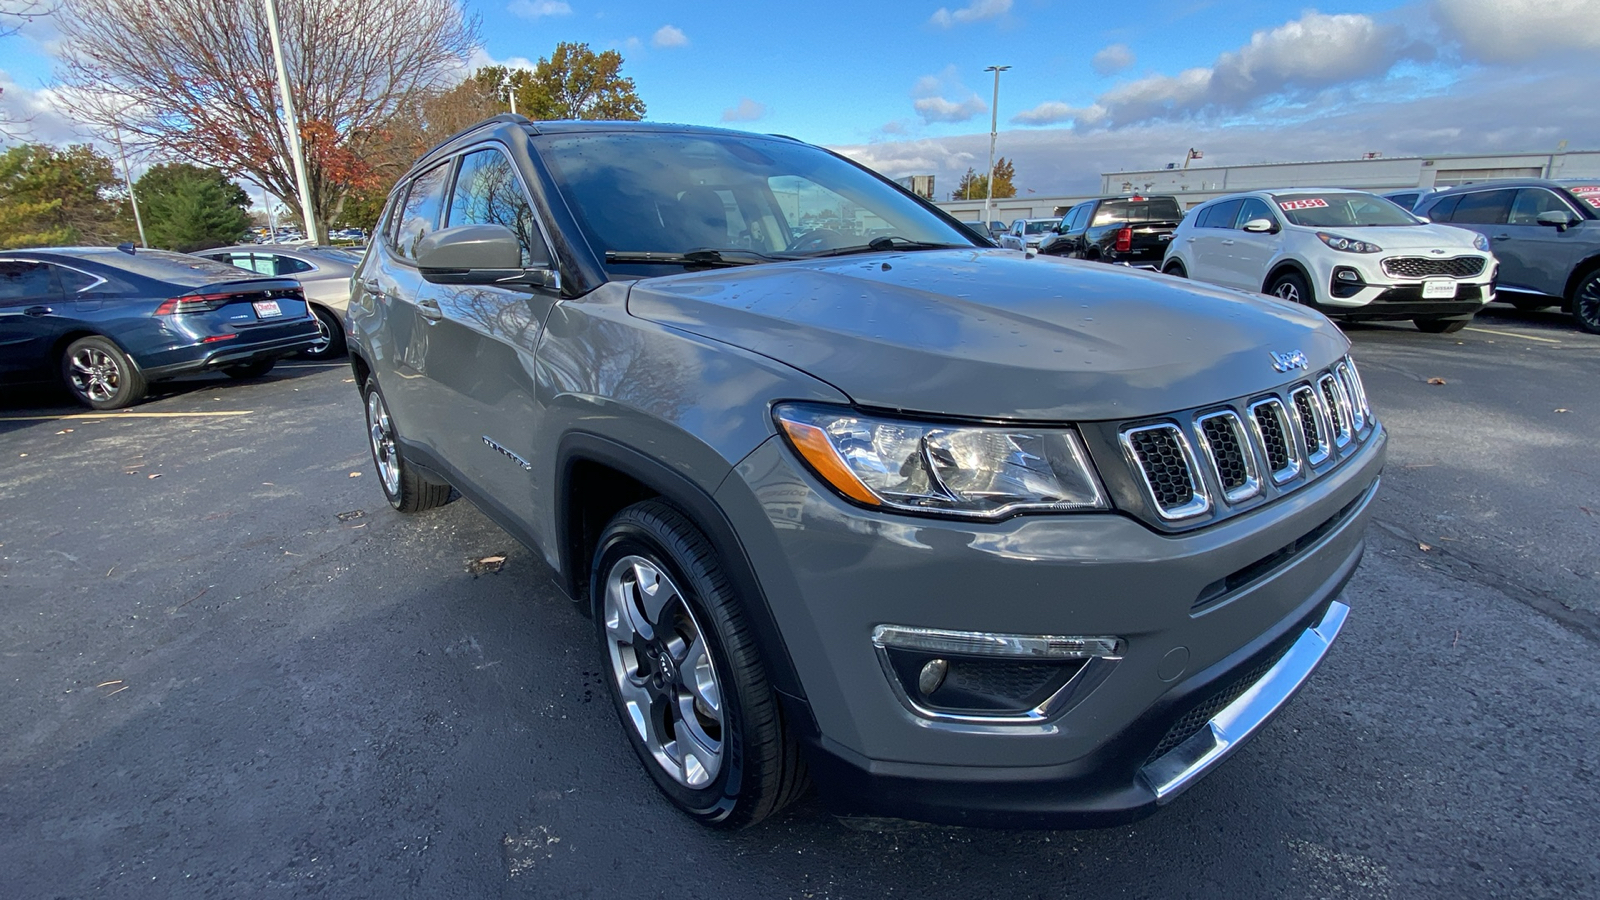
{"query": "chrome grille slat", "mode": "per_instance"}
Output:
(1161, 455)
(1426, 267)
(1276, 439)
(1312, 420)
(1338, 407)
(1358, 415)
(1228, 450)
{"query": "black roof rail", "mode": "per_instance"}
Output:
(502, 118)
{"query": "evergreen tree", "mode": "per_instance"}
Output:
(188, 207)
(52, 197)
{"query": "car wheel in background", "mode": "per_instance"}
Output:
(1176, 270)
(1291, 286)
(100, 375)
(1586, 302)
(405, 488)
(247, 371)
(330, 336)
(685, 674)
(1438, 325)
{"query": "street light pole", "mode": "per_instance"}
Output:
(127, 178)
(295, 151)
(994, 132)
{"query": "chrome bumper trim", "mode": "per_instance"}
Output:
(1175, 771)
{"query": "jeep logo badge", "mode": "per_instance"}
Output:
(1285, 362)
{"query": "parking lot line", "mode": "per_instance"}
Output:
(1526, 337)
(219, 414)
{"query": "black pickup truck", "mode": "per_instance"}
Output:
(1132, 230)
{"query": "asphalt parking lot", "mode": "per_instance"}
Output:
(229, 669)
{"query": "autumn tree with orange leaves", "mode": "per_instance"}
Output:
(195, 79)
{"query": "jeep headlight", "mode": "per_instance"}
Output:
(1480, 242)
(979, 471)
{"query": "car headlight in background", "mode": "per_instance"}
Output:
(964, 470)
(1480, 242)
(1348, 245)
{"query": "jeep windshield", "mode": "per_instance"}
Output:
(1342, 210)
(644, 200)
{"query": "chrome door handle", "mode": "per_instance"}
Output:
(1501, 237)
(1227, 243)
(372, 288)
(38, 311)
(429, 309)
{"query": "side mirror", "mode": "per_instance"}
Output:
(1261, 226)
(479, 254)
(1556, 218)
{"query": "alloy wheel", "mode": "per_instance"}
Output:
(95, 374)
(1586, 304)
(1287, 291)
(384, 451)
(662, 667)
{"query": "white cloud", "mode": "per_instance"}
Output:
(538, 9)
(976, 11)
(1490, 111)
(1520, 30)
(943, 98)
(669, 36)
(1293, 60)
(1112, 59)
(747, 110)
(43, 115)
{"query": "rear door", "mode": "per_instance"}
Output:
(1211, 240)
(31, 318)
(481, 371)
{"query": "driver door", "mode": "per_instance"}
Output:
(1253, 252)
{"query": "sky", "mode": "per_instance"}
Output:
(1092, 88)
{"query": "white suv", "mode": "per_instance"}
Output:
(1025, 234)
(1350, 254)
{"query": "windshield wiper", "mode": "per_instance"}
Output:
(698, 258)
(890, 242)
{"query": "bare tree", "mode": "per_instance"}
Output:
(13, 15)
(195, 78)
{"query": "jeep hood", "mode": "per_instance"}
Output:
(992, 334)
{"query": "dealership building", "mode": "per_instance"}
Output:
(1376, 173)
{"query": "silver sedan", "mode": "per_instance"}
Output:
(324, 273)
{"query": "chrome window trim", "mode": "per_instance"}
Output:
(98, 279)
(1293, 445)
(1199, 504)
(1320, 416)
(1252, 482)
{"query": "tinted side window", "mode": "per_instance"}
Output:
(1220, 215)
(1531, 202)
(419, 217)
(288, 265)
(1078, 216)
(21, 282)
(1443, 210)
(73, 281)
(1253, 208)
(1483, 208)
(488, 192)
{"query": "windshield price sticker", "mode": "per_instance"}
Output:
(1587, 189)
(1313, 203)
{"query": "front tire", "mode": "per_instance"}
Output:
(685, 675)
(1441, 326)
(100, 375)
(1291, 286)
(1586, 302)
(330, 336)
(403, 486)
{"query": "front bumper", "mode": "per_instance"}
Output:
(832, 572)
(1374, 294)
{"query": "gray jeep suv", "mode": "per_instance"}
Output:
(1546, 235)
(854, 501)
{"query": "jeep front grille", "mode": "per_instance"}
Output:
(1289, 435)
(1424, 267)
(1168, 467)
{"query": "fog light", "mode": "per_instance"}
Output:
(982, 643)
(932, 676)
(1346, 275)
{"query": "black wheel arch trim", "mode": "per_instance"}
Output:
(1289, 264)
(701, 509)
